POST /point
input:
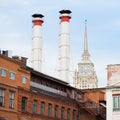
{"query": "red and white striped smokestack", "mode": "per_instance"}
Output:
(64, 45)
(37, 42)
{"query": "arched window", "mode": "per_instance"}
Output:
(56, 111)
(34, 109)
(49, 109)
(42, 108)
(62, 112)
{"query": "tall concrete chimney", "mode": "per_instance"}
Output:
(37, 42)
(64, 45)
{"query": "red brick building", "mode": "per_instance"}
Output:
(12, 76)
(26, 94)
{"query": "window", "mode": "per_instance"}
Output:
(68, 114)
(12, 75)
(74, 114)
(42, 108)
(24, 79)
(79, 115)
(62, 112)
(116, 103)
(2, 95)
(34, 106)
(56, 111)
(3, 72)
(24, 104)
(11, 99)
(49, 109)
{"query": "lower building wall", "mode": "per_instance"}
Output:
(116, 116)
(27, 116)
(84, 115)
(8, 115)
(31, 96)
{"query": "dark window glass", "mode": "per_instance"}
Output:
(56, 111)
(49, 109)
(42, 108)
(24, 104)
(11, 99)
(74, 114)
(34, 106)
(62, 112)
(2, 95)
(68, 114)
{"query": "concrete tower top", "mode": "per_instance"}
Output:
(37, 19)
(65, 15)
(37, 15)
(65, 11)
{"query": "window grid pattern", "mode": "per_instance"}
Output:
(116, 103)
(42, 108)
(34, 106)
(68, 114)
(56, 111)
(11, 99)
(62, 112)
(2, 95)
(74, 114)
(49, 109)
(24, 104)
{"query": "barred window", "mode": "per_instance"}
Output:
(68, 114)
(56, 111)
(11, 99)
(42, 108)
(24, 104)
(2, 95)
(74, 114)
(34, 106)
(62, 112)
(49, 109)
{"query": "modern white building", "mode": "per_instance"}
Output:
(113, 92)
(85, 76)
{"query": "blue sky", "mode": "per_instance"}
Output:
(103, 25)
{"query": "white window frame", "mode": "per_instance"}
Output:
(116, 103)
(12, 75)
(3, 72)
(11, 99)
(24, 79)
(2, 97)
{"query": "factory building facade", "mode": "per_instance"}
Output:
(26, 94)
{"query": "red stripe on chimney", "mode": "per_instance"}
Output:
(65, 18)
(37, 22)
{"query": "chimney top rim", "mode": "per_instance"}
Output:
(37, 15)
(65, 11)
